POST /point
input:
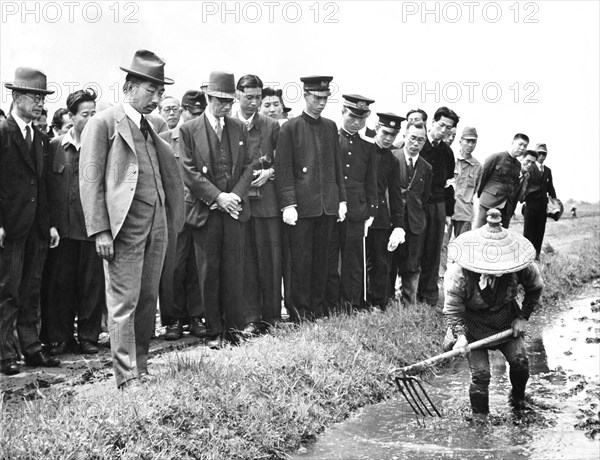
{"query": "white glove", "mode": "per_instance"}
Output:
(290, 215)
(396, 239)
(368, 223)
(342, 210)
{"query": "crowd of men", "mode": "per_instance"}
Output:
(218, 212)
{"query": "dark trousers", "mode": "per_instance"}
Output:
(179, 293)
(265, 267)
(432, 247)
(73, 284)
(506, 213)
(408, 258)
(534, 225)
(307, 243)
(345, 262)
(132, 278)
(221, 251)
(378, 267)
(456, 228)
(21, 264)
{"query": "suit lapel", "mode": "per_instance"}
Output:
(201, 138)
(20, 142)
(124, 129)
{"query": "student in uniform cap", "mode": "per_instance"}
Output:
(312, 195)
(539, 186)
(25, 225)
(179, 294)
(388, 226)
(132, 196)
(359, 162)
(217, 169)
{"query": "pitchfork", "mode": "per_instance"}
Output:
(411, 387)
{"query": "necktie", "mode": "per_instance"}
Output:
(144, 128)
(28, 138)
(218, 128)
(411, 169)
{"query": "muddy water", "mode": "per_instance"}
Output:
(564, 358)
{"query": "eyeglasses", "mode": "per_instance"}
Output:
(224, 100)
(156, 92)
(416, 140)
(37, 98)
(173, 109)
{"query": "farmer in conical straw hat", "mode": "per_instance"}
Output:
(481, 299)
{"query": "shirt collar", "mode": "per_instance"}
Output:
(407, 156)
(213, 120)
(248, 122)
(68, 139)
(346, 133)
(132, 113)
(175, 132)
(468, 160)
(21, 123)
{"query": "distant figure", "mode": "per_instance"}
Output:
(573, 212)
(61, 122)
(170, 109)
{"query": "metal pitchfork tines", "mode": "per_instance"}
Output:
(411, 387)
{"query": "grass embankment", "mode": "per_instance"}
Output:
(258, 400)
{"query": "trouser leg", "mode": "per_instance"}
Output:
(479, 365)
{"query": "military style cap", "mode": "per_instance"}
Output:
(541, 148)
(317, 85)
(358, 105)
(469, 133)
(194, 101)
(390, 120)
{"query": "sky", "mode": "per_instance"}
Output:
(504, 67)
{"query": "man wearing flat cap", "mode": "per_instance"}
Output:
(25, 225)
(179, 293)
(359, 162)
(539, 186)
(132, 197)
(217, 169)
(390, 212)
(310, 185)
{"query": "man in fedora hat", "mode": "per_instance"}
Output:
(179, 293)
(312, 195)
(25, 226)
(539, 186)
(345, 281)
(217, 169)
(132, 196)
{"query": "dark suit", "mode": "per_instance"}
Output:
(499, 183)
(345, 254)
(264, 267)
(210, 167)
(408, 255)
(390, 215)
(131, 187)
(26, 222)
(539, 186)
(309, 176)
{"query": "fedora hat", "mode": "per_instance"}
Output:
(221, 84)
(149, 66)
(491, 249)
(28, 80)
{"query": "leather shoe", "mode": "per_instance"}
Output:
(61, 348)
(197, 327)
(9, 366)
(41, 359)
(216, 342)
(174, 331)
(88, 347)
(251, 329)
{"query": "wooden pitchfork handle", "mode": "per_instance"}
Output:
(417, 367)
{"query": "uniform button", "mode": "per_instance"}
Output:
(349, 153)
(32, 181)
(32, 200)
(347, 166)
(345, 177)
(351, 142)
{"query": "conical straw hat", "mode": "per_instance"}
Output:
(491, 249)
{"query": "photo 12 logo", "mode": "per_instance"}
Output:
(469, 91)
(270, 12)
(470, 12)
(69, 12)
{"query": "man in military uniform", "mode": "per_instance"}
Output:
(359, 163)
(388, 224)
(310, 185)
(500, 180)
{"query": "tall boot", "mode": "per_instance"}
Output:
(518, 379)
(480, 402)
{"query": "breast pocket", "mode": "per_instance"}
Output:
(58, 168)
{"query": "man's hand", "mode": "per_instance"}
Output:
(261, 179)
(396, 239)
(104, 245)
(461, 345)
(368, 223)
(290, 215)
(518, 326)
(228, 202)
(2, 236)
(54, 237)
(448, 224)
(342, 210)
